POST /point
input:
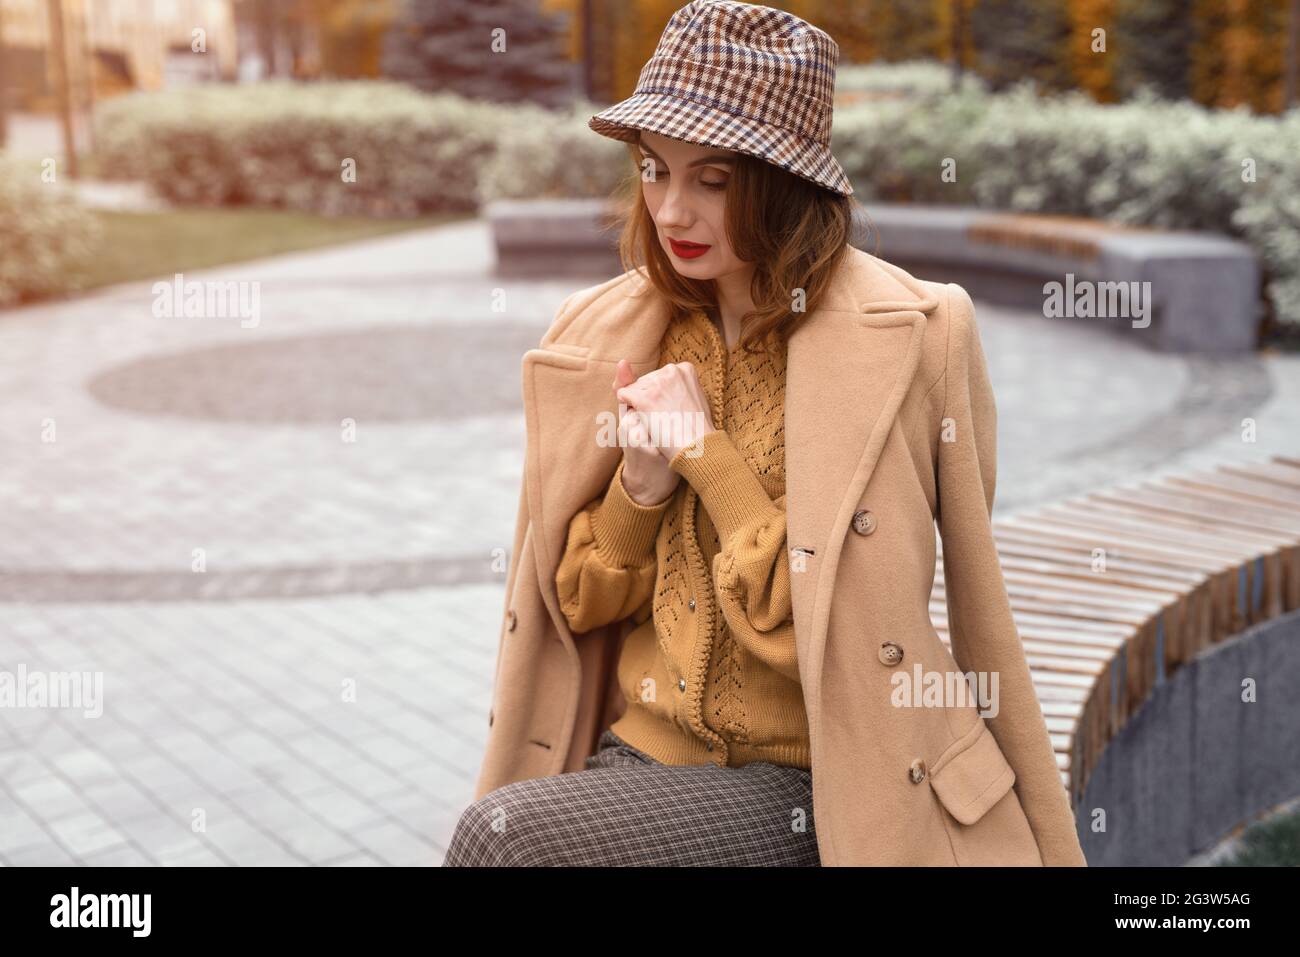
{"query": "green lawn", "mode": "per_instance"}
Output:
(147, 245)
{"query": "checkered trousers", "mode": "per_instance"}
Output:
(627, 809)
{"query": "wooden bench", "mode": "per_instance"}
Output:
(1189, 560)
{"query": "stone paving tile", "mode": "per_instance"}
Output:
(303, 832)
(85, 766)
(195, 856)
(292, 776)
(369, 561)
(342, 810)
(120, 855)
(42, 854)
(394, 845)
(50, 796)
(87, 832)
(118, 799)
(164, 837)
(316, 789)
(20, 827)
(233, 836)
(360, 859)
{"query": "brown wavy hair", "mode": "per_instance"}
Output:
(793, 230)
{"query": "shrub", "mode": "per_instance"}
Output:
(284, 144)
(1146, 162)
(554, 155)
(45, 234)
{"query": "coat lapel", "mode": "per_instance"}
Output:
(567, 386)
(848, 367)
(846, 376)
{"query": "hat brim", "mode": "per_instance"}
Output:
(695, 122)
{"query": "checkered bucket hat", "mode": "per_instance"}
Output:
(743, 77)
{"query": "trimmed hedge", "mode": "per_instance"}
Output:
(554, 156)
(1145, 162)
(284, 144)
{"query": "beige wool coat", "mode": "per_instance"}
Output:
(890, 429)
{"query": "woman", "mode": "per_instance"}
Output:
(712, 610)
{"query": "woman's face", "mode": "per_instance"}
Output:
(684, 185)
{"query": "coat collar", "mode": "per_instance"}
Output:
(848, 367)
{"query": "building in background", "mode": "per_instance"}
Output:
(114, 46)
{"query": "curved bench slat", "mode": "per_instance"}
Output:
(1190, 560)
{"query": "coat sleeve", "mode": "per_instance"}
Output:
(981, 628)
(751, 572)
(609, 565)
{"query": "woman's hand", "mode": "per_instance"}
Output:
(647, 478)
(671, 395)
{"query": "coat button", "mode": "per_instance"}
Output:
(864, 523)
(890, 653)
(511, 619)
(917, 771)
(691, 604)
(681, 684)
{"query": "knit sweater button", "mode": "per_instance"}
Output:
(681, 684)
(691, 604)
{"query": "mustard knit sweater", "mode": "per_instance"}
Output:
(709, 672)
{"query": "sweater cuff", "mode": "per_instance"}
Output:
(726, 483)
(624, 530)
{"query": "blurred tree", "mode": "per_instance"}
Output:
(1238, 53)
(955, 19)
(1259, 54)
(1093, 70)
(502, 50)
(284, 31)
(1221, 51)
(905, 29)
(352, 34)
(572, 12)
(1022, 39)
(625, 34)
(4, 85)
(1291, 82)
(891, 30)
(1153, 45)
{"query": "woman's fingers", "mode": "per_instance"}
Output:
(637, 432)
(631, 429)
(623, 374)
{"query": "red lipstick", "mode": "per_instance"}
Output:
(688, 250)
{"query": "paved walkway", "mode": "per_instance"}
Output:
(276, 542)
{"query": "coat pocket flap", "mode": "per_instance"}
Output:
(974, 779)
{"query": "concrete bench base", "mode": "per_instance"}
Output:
(1196, 761)
(1203, 292)
(542, 238)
